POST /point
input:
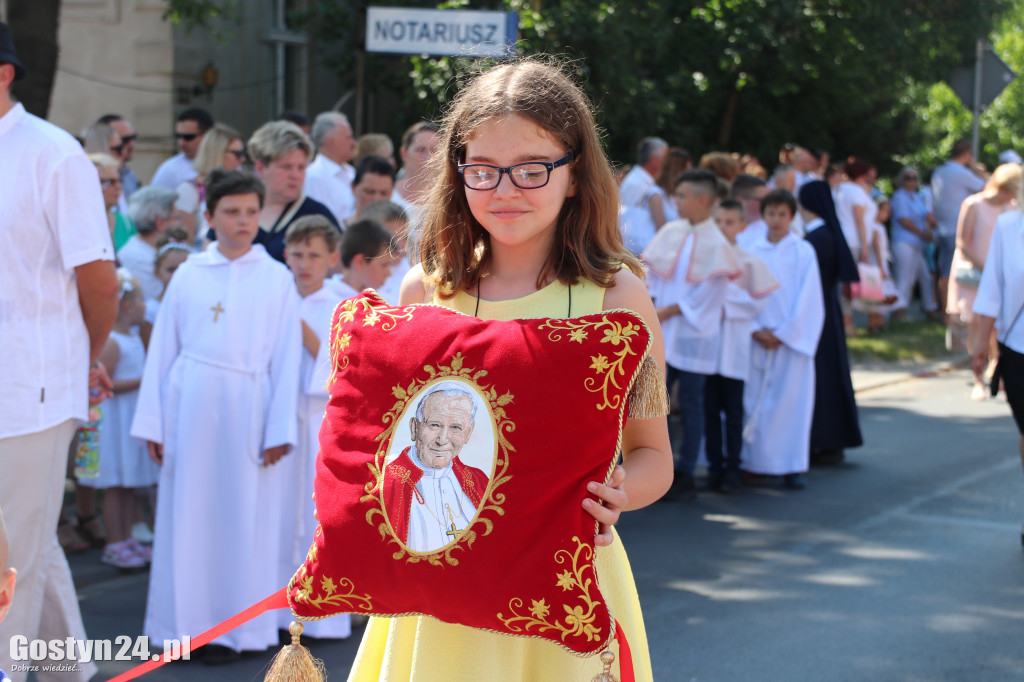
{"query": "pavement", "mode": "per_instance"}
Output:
(902, 564)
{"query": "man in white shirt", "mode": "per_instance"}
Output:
(152, 210)
(650, 157)
(58, 291)
(952, 182)
(329, 178)
(189, 130)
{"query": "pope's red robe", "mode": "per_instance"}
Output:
(401, 477)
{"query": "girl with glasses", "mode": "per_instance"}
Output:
(522, 222)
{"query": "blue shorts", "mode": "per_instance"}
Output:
(945, 246)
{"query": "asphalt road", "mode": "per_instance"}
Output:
(903, 564)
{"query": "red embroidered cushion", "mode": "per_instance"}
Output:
(454, 457)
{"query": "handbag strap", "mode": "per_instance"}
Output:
(1013, 324)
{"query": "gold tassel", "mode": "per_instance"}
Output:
(294, 663)
(649, 396)
(606, 675)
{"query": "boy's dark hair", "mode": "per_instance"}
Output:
(201, 116)
(365, 237)
(296, 117)
(374, 164)
(744, 184)
(307, 227)
(221, 183)
(732, 205)
(779, 197)
(701, 178)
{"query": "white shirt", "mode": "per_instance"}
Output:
(52, 220)
(851, 194)
(634, 186)
(140, 259)
(952, 182)
(174, 171)
(444, 503)
(692, 336)
(331, 185)
(1000, 294)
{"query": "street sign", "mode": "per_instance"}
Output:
(995, 76)
(447, 32)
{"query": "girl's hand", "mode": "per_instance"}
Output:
(865, 253)
(613, 500)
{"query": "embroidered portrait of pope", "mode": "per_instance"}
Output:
(431, 494)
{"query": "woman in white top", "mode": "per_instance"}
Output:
(856, 211)
(222, 147)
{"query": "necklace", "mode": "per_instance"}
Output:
(476, 310)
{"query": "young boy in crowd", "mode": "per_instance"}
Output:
(392, 216)
(368, 251)
(723, 391)
(779, 399)
(311, 251)
(217, 407)
(691, 264)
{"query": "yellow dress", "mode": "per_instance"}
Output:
(425, 649)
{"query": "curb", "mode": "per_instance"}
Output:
(921, 371)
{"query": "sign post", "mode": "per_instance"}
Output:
(978, 86)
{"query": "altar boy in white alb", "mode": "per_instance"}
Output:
(311, 251)
(778, 398)
(217, 406)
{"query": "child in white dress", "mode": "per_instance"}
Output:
(124, 462)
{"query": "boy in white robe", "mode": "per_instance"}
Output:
(217, 408)
(368, 252)
(723, 391)
(692, 263)
(311, 251)
(778, 399)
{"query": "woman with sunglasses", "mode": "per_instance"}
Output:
(912, 225)
(222, 147)
(121, 226)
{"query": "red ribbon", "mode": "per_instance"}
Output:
(278, 600)
(625, 657)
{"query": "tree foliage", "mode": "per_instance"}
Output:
(744, 75)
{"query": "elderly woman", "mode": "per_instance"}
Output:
(109, 169)
(222, 147)
(911, 230)
(978, 216)
(152, 210)
(280, 153)
(999, 304)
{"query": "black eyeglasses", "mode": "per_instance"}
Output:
(529, 175)
(239, 153)
(128, 139)
(118, 149)
(188, 137)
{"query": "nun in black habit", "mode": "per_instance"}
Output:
(835, 425)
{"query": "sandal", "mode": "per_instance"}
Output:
(70, 541)
(121, 555)
(90, 528)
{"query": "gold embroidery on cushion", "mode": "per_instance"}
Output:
(374, 314)
(578, 620)
(613, 370)
(491, 500)
(341, 596)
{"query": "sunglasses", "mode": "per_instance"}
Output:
(128, 139)
(118, 149)
(188, 137)
(108, 182)
(239, 153)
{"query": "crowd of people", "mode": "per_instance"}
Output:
(743, 351)
(206, 346)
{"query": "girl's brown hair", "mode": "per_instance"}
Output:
(455, 248)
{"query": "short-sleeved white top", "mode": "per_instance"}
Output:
(52, 220)
(1000, 294)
